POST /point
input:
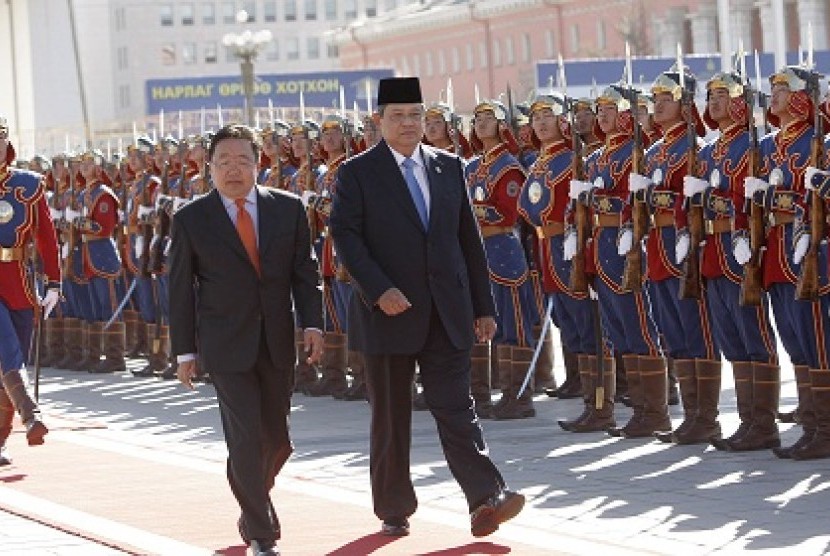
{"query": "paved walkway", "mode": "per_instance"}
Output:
(136, 466)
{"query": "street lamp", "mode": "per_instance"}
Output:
(246, 45)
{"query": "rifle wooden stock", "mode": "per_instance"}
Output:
(71, 235)
(752, 281)
(632, 279)
(806, 289)
(690, 277)
(161, 225)
(578, 278)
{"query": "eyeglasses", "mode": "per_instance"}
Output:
(400, 117)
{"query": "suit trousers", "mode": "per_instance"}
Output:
(255, 404)
(445, 376)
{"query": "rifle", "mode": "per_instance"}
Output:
(38, 336)
(632, 278)
(578, 277)
(750, 293)
(161, 221)
(145, 228)
(310, 184)
(690, 278)
(70, 213)
(806, 289)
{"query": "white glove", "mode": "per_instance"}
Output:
(741, 251)
(692, 186)
(139, 247)
(569, 246)
(65, 250)
(70, 215)
(178, 203)
(49, 301)
(578, 188)
(160, 200)
(624, 242)
(167, 248)
(751, 185)
(681, 248)
(55, 214)
(120, 215)
(801, 248)
(144, 212)
(307, 196)
(809, 172)
(637, 182)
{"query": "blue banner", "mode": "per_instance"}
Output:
(320, 90)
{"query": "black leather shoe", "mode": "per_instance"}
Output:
(486, 518)
(264, 548)
(395, 527)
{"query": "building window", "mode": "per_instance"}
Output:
(332, 51)
(350, 9)
(166, 14)
(313, 48)
(211, 55)
(189, 53)
(310, 10)
(123, 60)
(168, 54)
(250, 8)
(291, 10)
(470, 56)
(456, 60)
(509, 52)
(331, 10)
(208, 13)
(187, 14)
(550, 43)
(442, 63)
(124, 96)
(601, 40)
(269, 11)
(120, 19)
(428, 63)
(495, 48)
(228, 12)
(272, 51)
(292, 48)
(574, 38)
(482, 54)
(371, 8)
(527, 48)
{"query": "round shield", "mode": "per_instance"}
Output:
(599, 183)
(776, 177)
(534, 192)
(714, 178)
(480, 194)
(657, 176)
(6, 212)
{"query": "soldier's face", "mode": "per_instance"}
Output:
(402, 125)
(780, 99)
(435, 129)
(299, 145)
(584, 121)
(545, 125)
(486, 125)
(88, 168)
(332, 140)
(666, 109)
(233, 167)
(718, 103)
(607, 117)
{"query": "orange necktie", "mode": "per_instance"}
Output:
(245, 228)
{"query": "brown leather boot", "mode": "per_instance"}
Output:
(480, 380)
(136, 331)
(673, 394)
(504, 358)
(742, 372)
(705, 425)
(333, 379)
(807, 413)
(52, 350)
(115, 343)
(587, 369)
(601, 416)
(635, 394)
(94, 343)
(6, 418)
(763, 432)
(357, 391)
(79, 363)
(654, 388)
(16, 387)
(684, 369)
(571, 388)
(543, 373)
(819, 446)
(305, 375)
(157, 340)
(73, 350)
(622, 384)
(521, 407)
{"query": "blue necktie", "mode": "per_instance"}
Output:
(415, 190)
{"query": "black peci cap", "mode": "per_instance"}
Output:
(399, 90)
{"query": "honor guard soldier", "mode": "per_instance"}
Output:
(543, 203)
(139, 209)
(494, 180)
(438, 131)
(371, 131)
(101, 264)
(276, 152)
(24, 220)
(741, 330)
(199, 183)
(303, 183)
(528, 149)
(683, 319)
(801, 320)
(645, 117)
(585, 122)
(624, 311)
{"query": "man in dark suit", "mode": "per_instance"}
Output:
(239, 317)
(403, 227)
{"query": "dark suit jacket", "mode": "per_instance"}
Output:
(381, 241)
(226, 314)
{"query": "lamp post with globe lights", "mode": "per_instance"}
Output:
(246, 45)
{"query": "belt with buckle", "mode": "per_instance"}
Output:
(607, 220)
(777, 218)
(490, 231)
(549, 230)
(10, 254)
(719, 225)
(662, 219)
